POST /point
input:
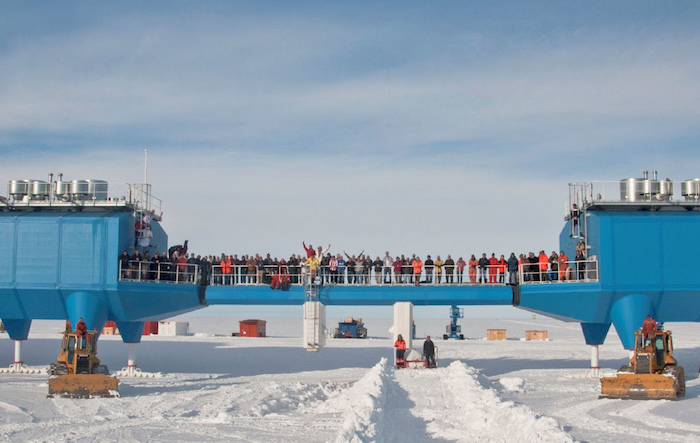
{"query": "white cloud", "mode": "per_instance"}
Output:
(226, 83)
(266, 130)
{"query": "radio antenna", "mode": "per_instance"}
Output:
(145, 167)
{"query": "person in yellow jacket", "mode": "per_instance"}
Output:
(312, 264)
(438, 269)
(400, 346)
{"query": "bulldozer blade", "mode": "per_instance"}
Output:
(640, 386)
(83, 386)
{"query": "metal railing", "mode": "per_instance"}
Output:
(566, 272)
(618, 191)
(242, 275)
(115, 195)
(351, 276)
(159, 272)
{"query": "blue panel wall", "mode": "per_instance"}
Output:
(160, 239)
(681, 238)
(7, 250)
(82, 251)
(636, 252)
(37, 251)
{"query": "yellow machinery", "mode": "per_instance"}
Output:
(652, 372)
(78, 372)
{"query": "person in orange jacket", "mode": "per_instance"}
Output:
(275, 281)
(544, 264)
(493, 268)
(563, 260)
(226, 269)
(400, 346)
(502, 267)
(417, 269)
(473, 263)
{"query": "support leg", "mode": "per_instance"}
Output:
(403, 322)
(313, 333)
(595, 365)
(131, 359)
(18, 363)
(18, 366)
(628, 313)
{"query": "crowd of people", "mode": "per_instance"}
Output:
(318, 264)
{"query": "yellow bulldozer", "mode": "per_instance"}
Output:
(78, 373)
(652, 372)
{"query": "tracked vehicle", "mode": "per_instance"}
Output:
(77, 372)
(652, 372)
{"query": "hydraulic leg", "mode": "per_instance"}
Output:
(595, 365)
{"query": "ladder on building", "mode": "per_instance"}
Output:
(314, 314)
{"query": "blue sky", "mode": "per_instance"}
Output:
(431, 127)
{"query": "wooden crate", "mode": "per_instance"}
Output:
(535, 335)
(495, 334)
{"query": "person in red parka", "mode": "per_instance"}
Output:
(81, 329)
(649, 328)
(309, 250)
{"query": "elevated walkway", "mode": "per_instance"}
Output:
(384, 295)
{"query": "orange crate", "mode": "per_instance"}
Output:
(535, 335)
(495, 334)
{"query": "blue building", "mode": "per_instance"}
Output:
(61, 241)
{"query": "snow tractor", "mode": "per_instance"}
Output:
(78, 372)
(652, 372)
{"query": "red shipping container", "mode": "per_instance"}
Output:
(252, 328)
(151, 327)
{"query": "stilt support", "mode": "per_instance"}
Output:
(314, 330)
(595, 362)
(131, 370)
(18, 366)
(403, 322)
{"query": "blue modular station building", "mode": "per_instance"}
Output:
(60, 243)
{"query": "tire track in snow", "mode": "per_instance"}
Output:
(457, 405)
(607, 420)
(446, 404)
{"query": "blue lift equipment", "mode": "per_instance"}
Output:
(453, 329)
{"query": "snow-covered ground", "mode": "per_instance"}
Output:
(215, 387)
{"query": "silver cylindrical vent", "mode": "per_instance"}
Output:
(62, 190)
(79, 188)
(39, 190)
(97, 189)
(18, 189)
(690, 189)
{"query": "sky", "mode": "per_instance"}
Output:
(434, 128)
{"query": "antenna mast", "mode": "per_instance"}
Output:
(145, 167)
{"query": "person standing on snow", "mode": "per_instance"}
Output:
(400, 346)
(429, 352)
